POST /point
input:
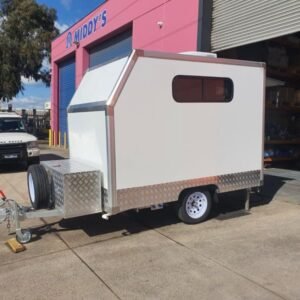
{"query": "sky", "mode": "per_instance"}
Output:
(35, 94)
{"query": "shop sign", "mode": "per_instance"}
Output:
(97, 22)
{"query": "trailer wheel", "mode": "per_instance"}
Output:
(38, 187)
(194, 206)
(24, 236)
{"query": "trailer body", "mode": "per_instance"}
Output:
(143, 147)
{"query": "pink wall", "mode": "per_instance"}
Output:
(178, 33)
(179, 27)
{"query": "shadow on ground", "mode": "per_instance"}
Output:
(50, 156)
(93, 225)
(233, 201)
(13, 168)
(231, 205)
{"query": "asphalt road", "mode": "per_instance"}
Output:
(151, 255)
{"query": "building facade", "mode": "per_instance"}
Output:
(265, 30)
(111, 31)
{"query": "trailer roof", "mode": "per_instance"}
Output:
(199, 58)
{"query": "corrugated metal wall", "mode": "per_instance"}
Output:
(241, 22)
(116, 47)
(66, 91)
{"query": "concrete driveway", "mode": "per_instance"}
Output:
(151, 255)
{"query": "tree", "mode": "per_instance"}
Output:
(26, 32)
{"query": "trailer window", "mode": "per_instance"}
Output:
(191, 89)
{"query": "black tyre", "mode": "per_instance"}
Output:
(194, 206)
(38, 187)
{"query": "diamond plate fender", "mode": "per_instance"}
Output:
(168, 192)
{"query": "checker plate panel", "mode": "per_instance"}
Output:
(76, 187)
(168, 192)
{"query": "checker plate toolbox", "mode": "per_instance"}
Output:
(75, 187)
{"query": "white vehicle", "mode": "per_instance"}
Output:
(152, 129)
(16, 145)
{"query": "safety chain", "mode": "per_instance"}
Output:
(4, 201)
(8, 225)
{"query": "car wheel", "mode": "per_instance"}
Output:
(194, 206)
(38, 187)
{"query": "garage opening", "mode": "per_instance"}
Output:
(282, 107)
(114, 48)
(66, 91)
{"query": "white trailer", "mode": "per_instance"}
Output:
(156, 128)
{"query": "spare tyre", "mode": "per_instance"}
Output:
(38, 187)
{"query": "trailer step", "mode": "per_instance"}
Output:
(15, 246)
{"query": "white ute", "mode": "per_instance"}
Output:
(16, 145)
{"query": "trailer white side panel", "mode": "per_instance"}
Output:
(87, 122)
(98, 83)
(87, 139)
(158, 140)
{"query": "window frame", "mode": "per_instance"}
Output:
(202, 77)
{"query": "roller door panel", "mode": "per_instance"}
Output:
(66, 91)
(241, 22)
(114, 48)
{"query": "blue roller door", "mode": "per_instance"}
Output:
(66, 92)
(114, 48)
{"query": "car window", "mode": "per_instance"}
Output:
(11, 125)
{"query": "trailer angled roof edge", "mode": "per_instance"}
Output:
(88, 107)
(186, 57)
(124, 76)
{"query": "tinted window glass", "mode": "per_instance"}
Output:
(202, 89)
(11, 125)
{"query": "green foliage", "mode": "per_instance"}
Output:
(26, 32)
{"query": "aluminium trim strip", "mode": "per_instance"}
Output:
(263, 126)
(87, 107)
(112, 203)
(123, 78)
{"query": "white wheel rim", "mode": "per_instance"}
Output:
(196, 205)
(31, 188)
